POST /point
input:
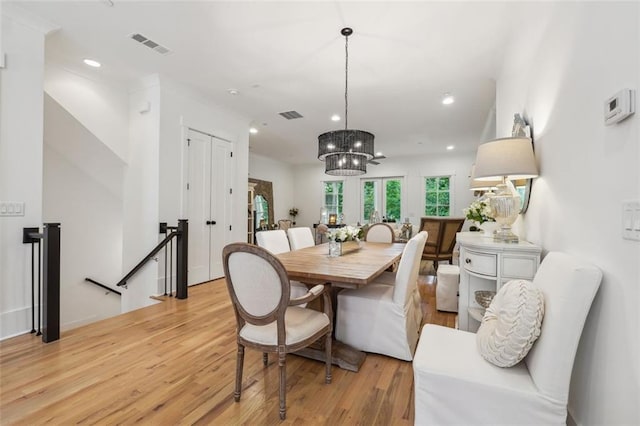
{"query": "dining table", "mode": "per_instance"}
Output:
(359, 265)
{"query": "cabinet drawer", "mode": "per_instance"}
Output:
(519, 267)
(480, 263)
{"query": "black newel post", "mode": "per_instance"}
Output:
(51, 283)
(182, 258)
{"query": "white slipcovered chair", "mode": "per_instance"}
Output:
(380, 233)
(381, 318)
(277, 242)
(300, 238)
(267, 318)
(455, 385)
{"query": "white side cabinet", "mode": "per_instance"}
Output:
(487, 265)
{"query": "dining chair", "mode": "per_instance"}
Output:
(442, 238)
(381, 318)
(300, 238)
(449, 369)
(321, 232)
(277, 242)
(267, 318)
(284, 224)
(380, 233)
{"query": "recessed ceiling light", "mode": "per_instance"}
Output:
(233, 91)
(253, 130)
(448, 99)
(450, 147)
(335, 117)
(92, 63)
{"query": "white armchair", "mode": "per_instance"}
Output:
(455, 385)
(381, 318)
(300, 238)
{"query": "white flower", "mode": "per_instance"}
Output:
(346, 233)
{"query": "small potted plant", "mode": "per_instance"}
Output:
(293, 212)
(479, 212)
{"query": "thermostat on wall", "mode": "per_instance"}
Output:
(619, 106)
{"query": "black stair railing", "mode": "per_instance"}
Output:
(181, 234)
(48, 287)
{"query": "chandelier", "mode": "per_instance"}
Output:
(345, 152)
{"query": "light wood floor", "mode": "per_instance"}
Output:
(174, 363)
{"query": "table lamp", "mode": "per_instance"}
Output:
(482, 185)
(506, 158)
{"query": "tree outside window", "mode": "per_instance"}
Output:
(437, 196)
(383, 195)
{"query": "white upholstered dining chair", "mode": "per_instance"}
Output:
(381, 318)
(455, 385)
(267, 318)
(277, 242)
(300, 238)
(380, 233)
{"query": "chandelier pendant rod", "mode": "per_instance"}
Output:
(346, 82)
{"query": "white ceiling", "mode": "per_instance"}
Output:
(284, 56)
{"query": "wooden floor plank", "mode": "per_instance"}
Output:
(174, 363)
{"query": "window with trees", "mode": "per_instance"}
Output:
(437, 196)
(382, 195)
(333, 197)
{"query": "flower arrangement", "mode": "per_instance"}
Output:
(479, 211)
(346, 233)
(293, 211)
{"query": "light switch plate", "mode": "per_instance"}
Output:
(631, 220)
(12, 208)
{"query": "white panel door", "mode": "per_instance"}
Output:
(220, 207)
(208, 204)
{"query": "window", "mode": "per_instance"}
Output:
(384, 196)
(333, 198)
(437, 196)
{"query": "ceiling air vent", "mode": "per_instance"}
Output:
(150, 44)
(290, 115)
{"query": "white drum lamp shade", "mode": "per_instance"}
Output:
(506, 158)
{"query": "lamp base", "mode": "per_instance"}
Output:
(504, 235)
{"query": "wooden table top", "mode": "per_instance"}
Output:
(357, 267)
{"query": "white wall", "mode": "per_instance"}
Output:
(308, 185)
(101, 107)
(559, 73)
(83, 191)
(21, 119)
(141, 193)
(281, 175)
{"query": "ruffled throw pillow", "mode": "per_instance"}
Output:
(511, 323)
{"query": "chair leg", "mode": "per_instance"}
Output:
(282, 357)
(239, 366)
(265, 359)
(327, 348)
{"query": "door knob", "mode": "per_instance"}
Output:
(211, 222)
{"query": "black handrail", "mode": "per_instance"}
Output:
(103, 286)
(150, 256)
(181, 234)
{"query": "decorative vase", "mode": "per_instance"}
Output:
(489, 228)
(335, 248)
